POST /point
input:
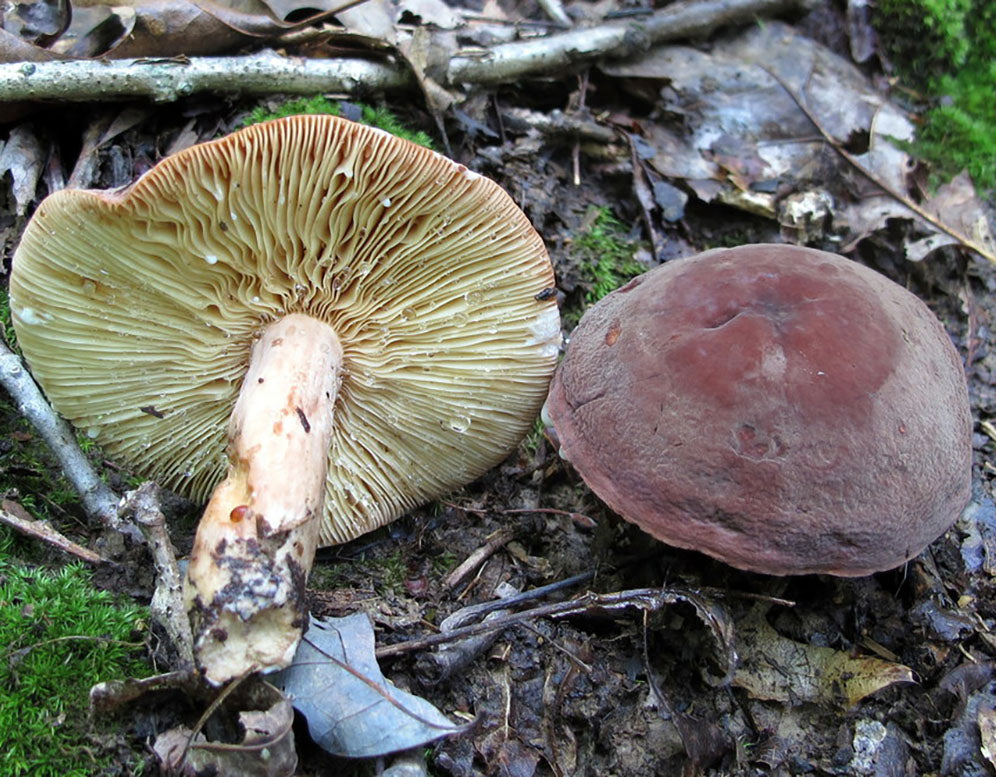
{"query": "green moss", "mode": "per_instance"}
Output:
(946, 49)
(6, 323)
(605, 255)
(382, 118)
(58, 637)
(300, 105)
(379, 117)
(535, 435)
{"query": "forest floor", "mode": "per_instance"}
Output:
(728, 672)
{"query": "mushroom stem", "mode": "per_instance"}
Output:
(245, 588)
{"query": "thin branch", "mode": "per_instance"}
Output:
(899, 196)
(168, 80)
(549, 54)
(15, 516)
(497, 541)
(168, 607)
(98, 500)
(644, 598)
(164, 80)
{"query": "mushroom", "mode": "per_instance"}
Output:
(324, 324)
(782, 409)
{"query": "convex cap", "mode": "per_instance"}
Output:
(782, 409)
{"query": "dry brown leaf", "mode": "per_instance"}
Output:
(167, 28)
(957, 205)
(775, 668)
(987, 734)
(373, 18)
(267, 747)
(24, 158)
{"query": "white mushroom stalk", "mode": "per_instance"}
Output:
(256, 540)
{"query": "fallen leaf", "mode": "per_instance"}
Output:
(434, 12)
(957, 205)
(775, 668)
(267, 747)
(24, 158)
(351, 708)
(987, 733)
(373, 18)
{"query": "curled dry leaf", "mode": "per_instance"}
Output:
(957, 204)
(775, 668)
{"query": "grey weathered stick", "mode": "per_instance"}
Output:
(98, 500)
(165, 80)
(549, 54)
(15, 516)
(168, 607)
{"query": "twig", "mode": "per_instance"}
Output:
(167, 607)
(579, 518)
(167, 80)
(469, 613)
(98, 500)
(837, 146)
(18, 519)
(544, 55)
(497, 541)
(644, 598)
(268, 73)
(216, 702)
(108, 696)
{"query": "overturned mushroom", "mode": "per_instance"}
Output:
(782, 409)
(364, 315)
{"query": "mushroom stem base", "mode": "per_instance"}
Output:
(245, 587)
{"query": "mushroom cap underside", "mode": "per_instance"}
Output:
(137, 309)
(783, 409)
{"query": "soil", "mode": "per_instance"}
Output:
(642, 689)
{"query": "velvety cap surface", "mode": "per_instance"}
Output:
(137, 309)
(782, 409)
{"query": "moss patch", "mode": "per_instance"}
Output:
(606, 259)
(373, 116)
(946, 49)
(58, 637)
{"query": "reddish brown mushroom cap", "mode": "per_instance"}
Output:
(782, 409)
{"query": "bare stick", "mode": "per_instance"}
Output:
(497, 541)
(643, 598)
(512, 61)
(166, 80)
(168, 607)
(98, 500)
(18, 519)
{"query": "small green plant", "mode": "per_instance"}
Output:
(6, 323)
(946, 49)
(379, 117)
(532, 440)
(606, 255)
(319, 104)
(444, 562)
(606, 259)
(393, 570)
(58, 637)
